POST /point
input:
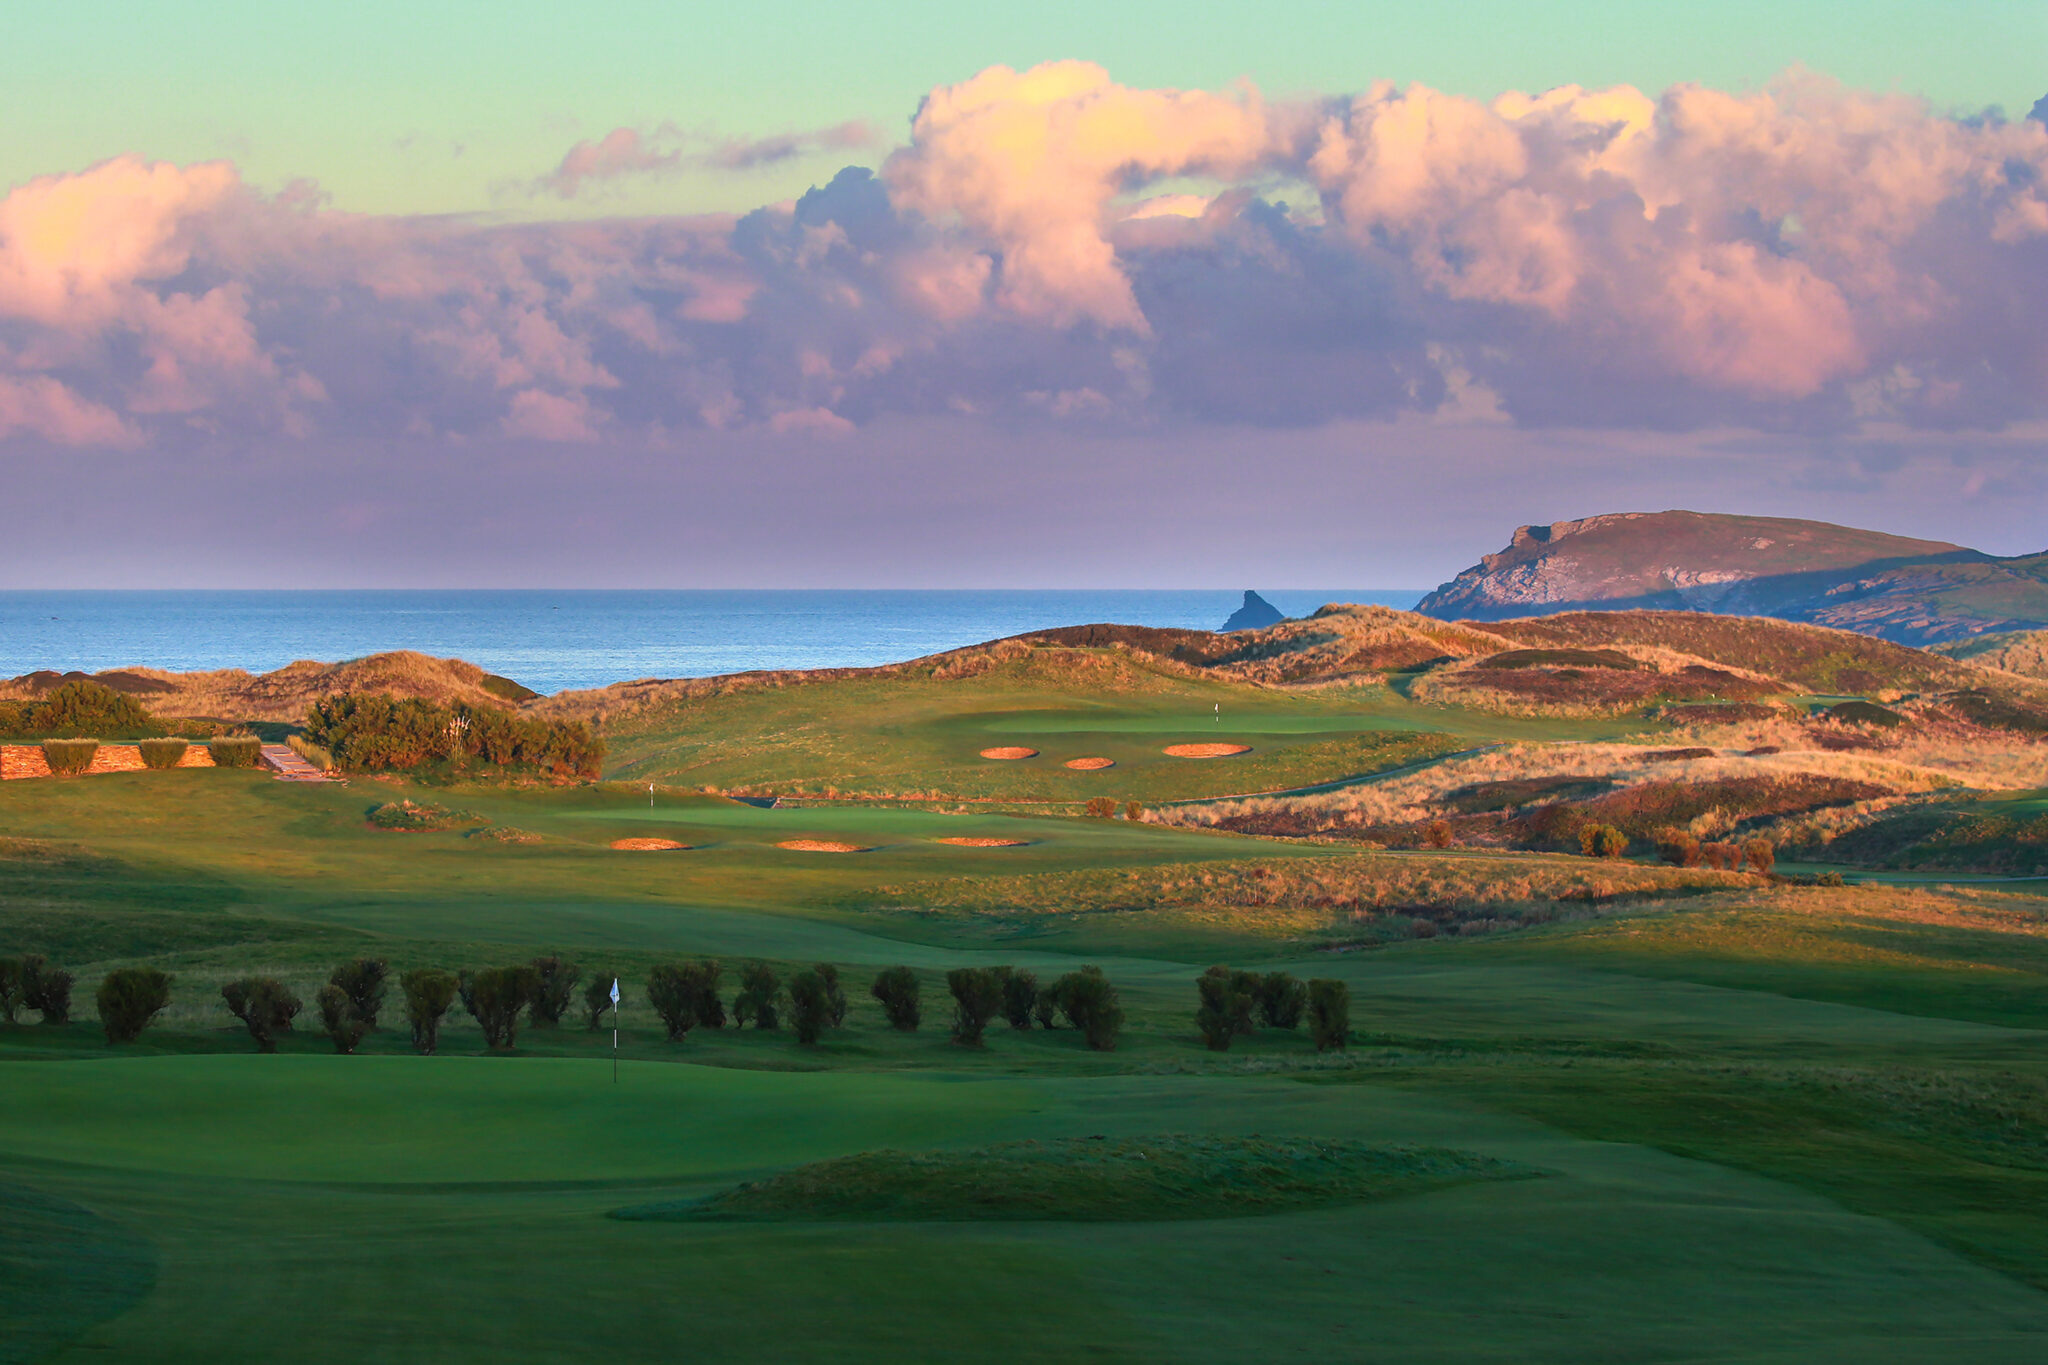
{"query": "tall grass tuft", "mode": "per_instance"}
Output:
(162, 753)
(311, 752)
(69, 757)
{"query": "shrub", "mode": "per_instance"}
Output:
(1046, 1009)
(46, 989)
(1091, 1005)
(69, 757)
(365, 732)
(977, 995)
(235, 751)
(897, 989)
(1438, 834)
(556, 990)
(759, 998)
(265, 1005)
(429, 992)
(1760, 855)
(10, 987)
(709, 1004)
(670, 991)
(495, 998)
(1101, 807)
(339, 1018)
(835, 994)
(362, 981)
(1329, 1014)
(1020, 998)
(1282, 998)
(1602, 841)
(420, 817)
(810, 1006)
(78, 707)
(1226, 1007)
(162, 753)
(1134, 810)
(597, 997)
(129, 999)
(1678, 848)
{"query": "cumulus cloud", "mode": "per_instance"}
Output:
(1802, 257)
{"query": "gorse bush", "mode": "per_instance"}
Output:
(161, 754)
(235, 751)
(759, 998)
(367, 732)
(265, 1005)
(429, 994)
(977, 995)
(1225, 1008)
(129, 1000)
(78, 707)
(1091, 1005)
(1101, 807)
(69, 757)
(1282, 999)
(1329, 1014)
(46, 989)
(897, 989)
(557, 989)
(344, 1026)
(1602, 841)
(362, 981)
(1020, 997)
(495, 998)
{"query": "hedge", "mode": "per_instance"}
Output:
(162, 753)
(69, 757)
(238, 751)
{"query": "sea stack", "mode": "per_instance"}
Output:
(1255, 614)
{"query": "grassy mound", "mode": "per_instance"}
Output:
(421, 817)
(63, 1268)
(1126, 1180)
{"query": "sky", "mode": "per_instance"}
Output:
(1175, 295)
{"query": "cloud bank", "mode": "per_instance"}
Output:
(1051, 246)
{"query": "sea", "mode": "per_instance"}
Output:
(554, 641)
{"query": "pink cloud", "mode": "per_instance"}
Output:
(41, 406)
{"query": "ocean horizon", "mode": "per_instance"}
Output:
(559, 640)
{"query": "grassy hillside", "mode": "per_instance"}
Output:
(2024, 652)
(284, 694)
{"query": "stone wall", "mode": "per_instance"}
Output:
(26, 760)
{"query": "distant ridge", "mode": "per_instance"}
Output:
(1911, 591)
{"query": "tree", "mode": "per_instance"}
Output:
(759, 998)
(673, 995)
(896, 988)
(339, 1017)
(46, 989)
(362, 981)
(10, 987)
(1020, 998)
(1102, 807)
(429, 992)
(265, 1005)
(557, 988)
(835, 994)
(597, 998)
(977, 995)
(1760, 855)
(1091, 1005)
(497, 995)
(709, 1004)
(810, 1006)
(1282, 998)
(1046, 1009)
(129, 1000)
(1329, 1014)
(1225, 1009)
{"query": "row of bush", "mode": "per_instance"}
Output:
(685, 996)
(78, 707)
(364, 732)
(69, 757)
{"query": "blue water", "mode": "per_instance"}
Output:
(554, 641)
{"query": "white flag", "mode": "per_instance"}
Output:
(615, 992)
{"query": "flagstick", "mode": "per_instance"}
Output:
(615, 1024)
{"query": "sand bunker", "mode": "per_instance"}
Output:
(822, 846)
(1090, 765)
(1207, 750)
(1010, 751)
(985, 843)
(650, 845)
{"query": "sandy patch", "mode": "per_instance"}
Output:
(650, 845)
(984, 843)
(822, 846)
(1090, 765)
(1207, 750)
(1009, 751)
